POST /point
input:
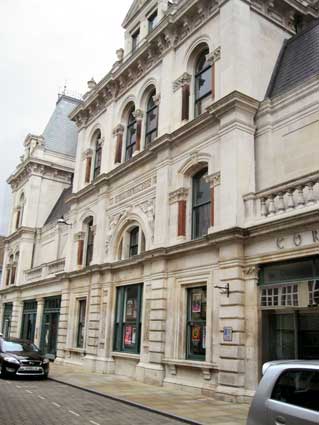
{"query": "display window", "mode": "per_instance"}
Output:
(196, 323)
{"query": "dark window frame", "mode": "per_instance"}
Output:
(130, 135)
(199, 72)
(121, 322)
(200, 323)
(152, 21)
(151, 134)
(97, 158)
(198, 206)
(89, 242)
(135, 39)
(81, 322)
(7, 319)
(134, 239)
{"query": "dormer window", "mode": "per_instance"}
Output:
(135, 39)
(152, 21)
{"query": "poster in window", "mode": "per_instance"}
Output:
(204, 338)
(131, 309)
(196, 302)
(196, 335)
(133, 335)
(128, 335)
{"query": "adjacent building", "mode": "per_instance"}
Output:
(173, 235)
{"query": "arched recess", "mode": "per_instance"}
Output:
(202, 43)
(150, 85)
(124, 108)
(136, 217)
(192, 165)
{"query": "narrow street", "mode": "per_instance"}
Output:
(36, 402)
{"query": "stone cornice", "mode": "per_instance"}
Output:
(232, 101)
(35, 166)
(19, 233)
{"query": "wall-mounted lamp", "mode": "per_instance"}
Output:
(224, 289)
(62, 221)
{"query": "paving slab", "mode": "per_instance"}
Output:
(194, 407)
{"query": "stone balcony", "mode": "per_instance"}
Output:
(45, 270)
(289, 198)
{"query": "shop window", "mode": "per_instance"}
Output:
(81, 324)
(29, 317)
(135, 40)
(201, 204)
(151, 119)
(7, 317)
(130, 135)
(203, 81)
(313, 288)
(127, 332)
(134, 234)
(152, 21)
(298, 388)
(196, 323)
(280, 296)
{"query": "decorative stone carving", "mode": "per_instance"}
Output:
(251, 272)
(181, 81)
(138, 114)
(213, 179)
(215, 56)
(119, 129)
(180, 194)
(87, 153)
(79, 236)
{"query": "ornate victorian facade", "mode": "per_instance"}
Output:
(189, 238)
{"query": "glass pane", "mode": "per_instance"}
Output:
(200, 188)
(198, 304)
(201, 220)
(299, 388)
(151, 120)
(299, 270)
(282, 337)
(131, 303)
(202, 61)
(129, 336)
(204, 83)
(309, 336)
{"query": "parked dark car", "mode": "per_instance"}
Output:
(20, 357)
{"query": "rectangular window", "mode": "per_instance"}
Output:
(135, 40)
(7, 317)
(81, 324)
(127, 332)
(29, 319)
(152, 21)
(196, 323)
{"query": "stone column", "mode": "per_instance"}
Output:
(38, 322)
(253, 323)
(118, 133)
(178, 202)
(214, 182)
(138, 114)
(62, 341)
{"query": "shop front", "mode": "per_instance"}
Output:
(29, 317)
(50, 324)
(7, 318)
(290, 310)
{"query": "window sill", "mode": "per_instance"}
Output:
(206, 368)
(124, 355)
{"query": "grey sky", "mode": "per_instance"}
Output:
(44, 43)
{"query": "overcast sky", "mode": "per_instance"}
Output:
(44, 43)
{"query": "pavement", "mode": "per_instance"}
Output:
(191, 407)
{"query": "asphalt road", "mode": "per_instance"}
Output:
(50, 403)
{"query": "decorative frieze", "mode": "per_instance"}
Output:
(146, 184)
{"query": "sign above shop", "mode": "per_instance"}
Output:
(298, 239)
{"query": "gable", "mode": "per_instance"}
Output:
(135, 7)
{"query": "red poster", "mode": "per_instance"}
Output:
(196, 333)
(128, 335)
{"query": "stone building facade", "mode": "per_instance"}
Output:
(187, 253)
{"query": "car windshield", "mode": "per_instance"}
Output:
(15, 347)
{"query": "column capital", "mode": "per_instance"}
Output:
(181, 81)
(79, 236)
(138, 114)
(214, 56)
(180, 194)
(213, 179)
(251, 272)
(157, 99)
(88, 153)
(119, 129)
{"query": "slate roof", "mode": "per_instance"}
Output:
(297, 61)
(60, 134)
(61, 208)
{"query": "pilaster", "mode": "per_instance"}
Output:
(39, 320)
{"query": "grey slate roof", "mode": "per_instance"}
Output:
(298, 61)
(60, 134)
(61, 208)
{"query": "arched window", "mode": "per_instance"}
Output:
(134, 233)
(151, 119)
(203, 81)
(98, 155)
(89, 241)
(130, 135)
(20, 210)
(201, 204)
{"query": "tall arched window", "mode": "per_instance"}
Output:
(151, 119)
(98, 154)
(201, 204)
(20, 210)
(134, 236)
(203, 81)
(130, 135)
(89, 241)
